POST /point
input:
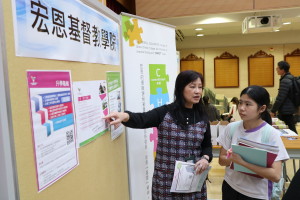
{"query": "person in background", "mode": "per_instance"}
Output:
(283, 104)
(252, 107)
(183, 134)
(233, 112)
(211, 110)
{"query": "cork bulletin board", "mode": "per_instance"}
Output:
(261, 69)
(192, 62)
(226, 71)
(294, 60)
(102, 170)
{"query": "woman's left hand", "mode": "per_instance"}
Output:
(201, 165)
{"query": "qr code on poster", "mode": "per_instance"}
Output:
(69, 135)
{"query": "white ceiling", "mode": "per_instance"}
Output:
(233, 24)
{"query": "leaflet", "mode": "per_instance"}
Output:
(185, 180)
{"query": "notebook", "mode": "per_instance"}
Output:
(256, 153)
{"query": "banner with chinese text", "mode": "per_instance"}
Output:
(65, 30)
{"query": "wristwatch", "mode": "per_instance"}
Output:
(203, 157)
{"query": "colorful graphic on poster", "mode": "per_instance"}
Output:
(158, 85)
(115, 100)
(131, 30)
(91, 105)
(149, 70)
(53, 129)
(65, 30)
(158, 93)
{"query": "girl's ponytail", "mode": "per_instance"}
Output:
(266, 117)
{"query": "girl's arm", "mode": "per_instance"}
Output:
(273, 173)
(223, 160)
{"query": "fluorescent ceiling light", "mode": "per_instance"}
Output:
(286, 23)
(198, 29)
(215, 20)
(199, 35)
(277, 30)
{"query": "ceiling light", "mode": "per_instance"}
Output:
(199, 35)
(198, 29)
(215, 20)
(276, 30)
(286, 23)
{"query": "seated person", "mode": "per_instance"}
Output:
(233, 112)
(211, 110)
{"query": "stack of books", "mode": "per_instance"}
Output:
(255, 153)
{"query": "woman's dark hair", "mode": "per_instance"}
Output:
(182, 80)
(236, 101)
(261, 96)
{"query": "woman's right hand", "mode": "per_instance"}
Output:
(116, 118)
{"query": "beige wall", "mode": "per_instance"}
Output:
(208, 54)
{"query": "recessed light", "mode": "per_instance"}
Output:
(199, 35)
(198, 29)
(286, 23)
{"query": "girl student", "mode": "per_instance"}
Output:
(252, 108)
(183, 134)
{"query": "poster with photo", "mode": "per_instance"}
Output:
(115, 100)
(91, 105)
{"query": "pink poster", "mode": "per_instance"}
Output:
(53, 130)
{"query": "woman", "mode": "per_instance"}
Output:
(211, 110)
(256, 123)
(233, 112)
(183, 134)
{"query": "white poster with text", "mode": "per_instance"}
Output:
(150, 69)
(91, 105)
